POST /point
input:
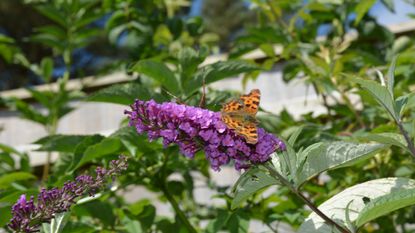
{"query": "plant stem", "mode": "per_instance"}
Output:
(172, 201)
(177, 209)
(408, 140)
(306, 200)
(51, 131)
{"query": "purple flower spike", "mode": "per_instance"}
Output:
(28, 216)
(194, 129)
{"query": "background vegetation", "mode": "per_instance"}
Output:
(155, 41)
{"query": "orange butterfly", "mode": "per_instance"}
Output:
(239, 115)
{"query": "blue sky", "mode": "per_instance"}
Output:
(383, 15)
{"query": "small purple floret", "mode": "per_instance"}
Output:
(194, 129)
(28, 216)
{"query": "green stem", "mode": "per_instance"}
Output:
(408, 140)
(172, 201)
(177, 209)
(306, 200)
(51, 131)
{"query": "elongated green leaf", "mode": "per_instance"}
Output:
(238, 222)
(61, 143)
(389, 4)
(27, 111)
(132, 141)
(219, 222)
(249, 183)
(381, 94)
(107, 146)
(58, 222)
(5, 215)
(6, 180)
(124, 94)
(401, 103)
(52, 13)
(189, 61)
(9, 149)
(81, 147)
(398, 198)
(12, 197)
(217, 71)
(330, 155)
(159, 72)
(362, 8)
(388, 138)
(391, 76)
(335, 207)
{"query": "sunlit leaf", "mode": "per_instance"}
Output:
(383, 189)
(7, 179)
(159, 72)
(362, 8)
(249, 183)
(330, 155)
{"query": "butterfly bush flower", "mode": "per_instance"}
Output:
(28, 215)
(194, 129)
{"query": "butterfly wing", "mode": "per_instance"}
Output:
(248, 130)
(230, 114)
(239, 115)
(251, 102)
(232, 121)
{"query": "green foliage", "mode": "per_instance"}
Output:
(337, 160)
(249, 183)
(399, 192)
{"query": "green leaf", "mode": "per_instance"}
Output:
(335, 207)
(81, 147)
(383, 205)
(12, 197)
(401, 103)
(388, 139)
(27, 111)
(218, 71)
(389, 4)
(331, 155)
(100, 210)
(46, 66)
(238, 222)
(124, 94)
(362, 8)
(52, 13)
(159, 72)
(381, 94)
(61, 143)
(132, 225)
(7, 179)
(108, 146)
(57, 223)
(5, 215)
(10, 150)
(144, 212)
(296, 131)
(190, 60)
(43, 97)
(249, 183)
(391, 76)
(219, 222)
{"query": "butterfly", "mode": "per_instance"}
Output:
(239, 115)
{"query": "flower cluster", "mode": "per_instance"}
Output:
(28, 215)
(194, 129)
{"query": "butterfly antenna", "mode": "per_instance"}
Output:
(202, 102)
(177, 99)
